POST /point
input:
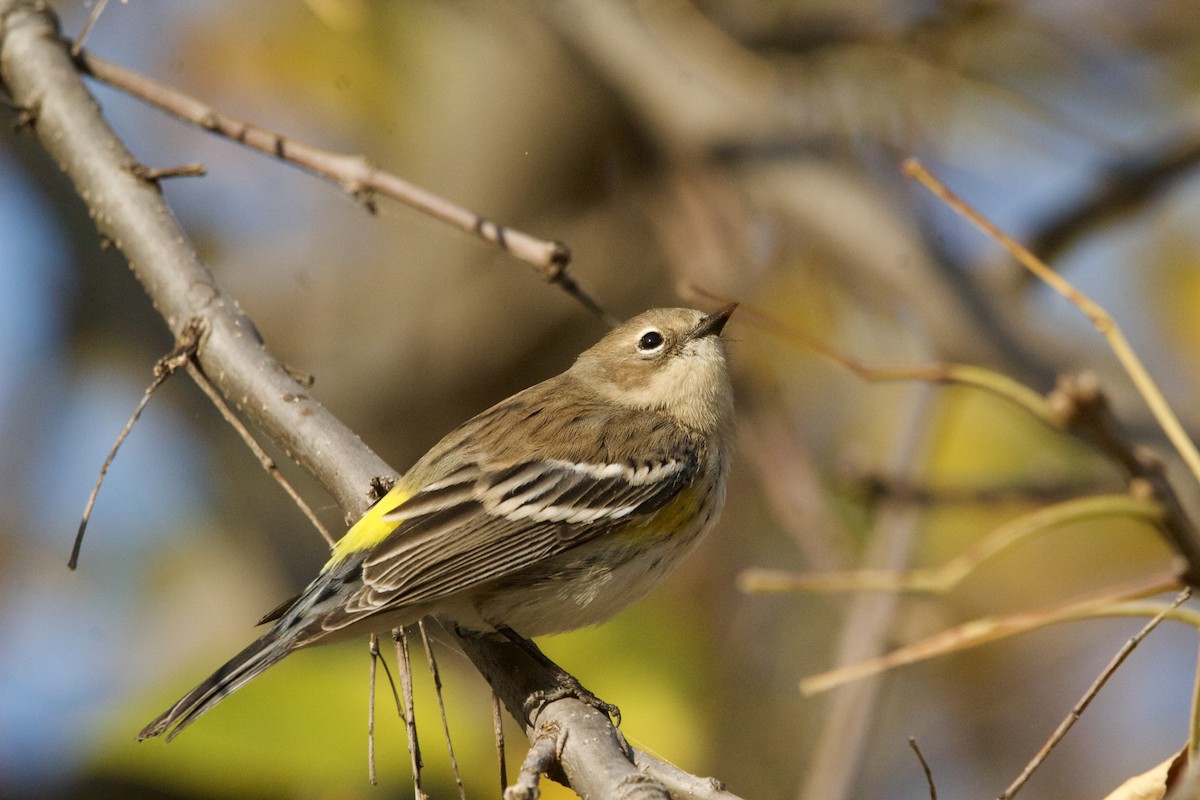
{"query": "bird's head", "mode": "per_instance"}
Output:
(667, 359)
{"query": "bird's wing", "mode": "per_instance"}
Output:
(478, 523)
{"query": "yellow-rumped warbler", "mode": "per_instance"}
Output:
(550, 511)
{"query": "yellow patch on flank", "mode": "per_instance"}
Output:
(370, 529)
(668, 519)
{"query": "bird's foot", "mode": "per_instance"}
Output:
(568, 686)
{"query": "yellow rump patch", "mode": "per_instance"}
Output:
(370, 529)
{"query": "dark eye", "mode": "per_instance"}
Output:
(650, 341)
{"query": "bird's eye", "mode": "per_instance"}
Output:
(650, 341)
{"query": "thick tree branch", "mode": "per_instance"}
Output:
(130, 212)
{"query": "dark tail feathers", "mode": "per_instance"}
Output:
(259, 656)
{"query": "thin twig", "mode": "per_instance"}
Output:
(1193, 743)
(404, 668)
(387, 672)
(182, 353)
(180, 171)
(265, 460)
(912, 742)
(498, 731)
(946, 373)
(437, 688)
(77, 45)
(155, 382)
(947, 577)
(354, 174)
(1087, 698)
(991, 629)
(373, 648)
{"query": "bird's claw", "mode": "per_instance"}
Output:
(568, 686)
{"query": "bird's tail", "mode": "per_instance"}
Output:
(256, 658)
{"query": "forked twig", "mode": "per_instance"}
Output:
(1085, 408)
(1088, 696)
(181, 354)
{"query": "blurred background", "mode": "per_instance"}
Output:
(748, 148)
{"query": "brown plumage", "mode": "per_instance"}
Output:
(552, 510)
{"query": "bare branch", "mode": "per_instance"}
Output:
(356, 176)
(132, 214)
(1096, 314)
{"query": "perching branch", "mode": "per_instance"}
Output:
(44, 83)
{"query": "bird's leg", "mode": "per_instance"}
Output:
(568, 684)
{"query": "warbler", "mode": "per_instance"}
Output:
(550, 511)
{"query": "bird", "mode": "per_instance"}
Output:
(552, 510)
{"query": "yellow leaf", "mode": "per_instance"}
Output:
(1151, 785)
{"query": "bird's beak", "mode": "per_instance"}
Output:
(712, 324)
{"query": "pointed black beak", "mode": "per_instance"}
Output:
(712, 324)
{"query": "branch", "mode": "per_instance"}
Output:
(566, 724)
(354, 174)
(130, 212)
